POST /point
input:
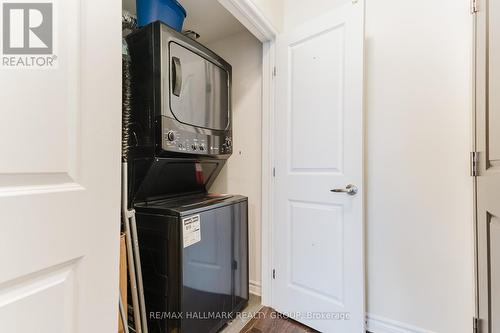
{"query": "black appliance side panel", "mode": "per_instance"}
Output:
(160, 246)
(144, 54)
(143, 47)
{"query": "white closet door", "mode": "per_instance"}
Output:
(60, 169)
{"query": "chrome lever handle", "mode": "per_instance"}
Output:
(349, 190)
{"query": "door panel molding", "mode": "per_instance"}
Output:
(493, 236)
(25, 151)
(55, 285)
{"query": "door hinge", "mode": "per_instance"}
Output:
(274, 274)
(274, 172)
(475, 325)
(274, 71)
(474, 164)
(473, 6)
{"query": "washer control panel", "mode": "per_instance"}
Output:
(180, 138)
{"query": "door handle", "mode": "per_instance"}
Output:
(349, 189)
(176, 76)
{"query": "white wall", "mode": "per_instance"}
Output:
(418, 193)
(242, 173)
(419, 214)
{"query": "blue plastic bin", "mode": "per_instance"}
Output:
(169, 12)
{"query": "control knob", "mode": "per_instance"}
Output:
(170, 136)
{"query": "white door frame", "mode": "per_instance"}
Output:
(254, 20)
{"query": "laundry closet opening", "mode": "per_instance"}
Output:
(222, 33)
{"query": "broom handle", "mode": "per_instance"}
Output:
(130, 252)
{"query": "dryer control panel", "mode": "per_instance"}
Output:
(182, 139)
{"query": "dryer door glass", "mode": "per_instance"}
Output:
(199, 90)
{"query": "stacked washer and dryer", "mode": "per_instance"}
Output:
(193, 244)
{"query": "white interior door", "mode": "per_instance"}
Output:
(60, 170)
(318, 234)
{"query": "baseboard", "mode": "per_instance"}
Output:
(377, 324)
(255, 287)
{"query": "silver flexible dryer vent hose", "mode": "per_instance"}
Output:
(126, 107)
(129, 21)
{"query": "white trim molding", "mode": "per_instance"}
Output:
(377, 324)
(251, 17)
(268, 106)
(255, 288)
